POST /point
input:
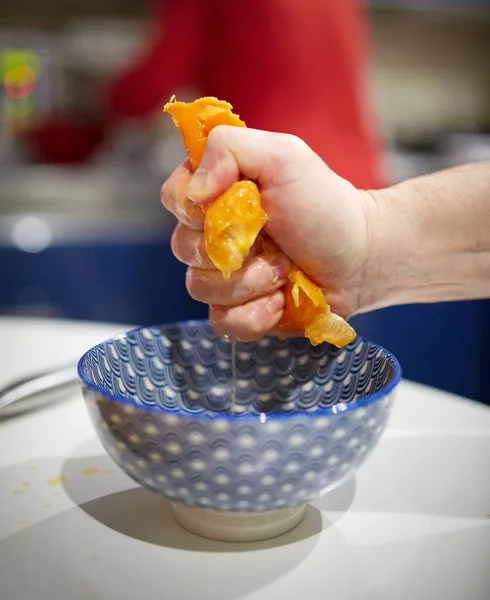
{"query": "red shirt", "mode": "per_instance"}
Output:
(296, 66)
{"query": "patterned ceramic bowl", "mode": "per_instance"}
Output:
(304, 419)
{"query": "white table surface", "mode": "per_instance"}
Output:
(415, 522)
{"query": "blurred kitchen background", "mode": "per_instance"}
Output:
(82, 233)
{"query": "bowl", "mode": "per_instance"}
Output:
(304, 419)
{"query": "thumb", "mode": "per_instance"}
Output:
(233, 153)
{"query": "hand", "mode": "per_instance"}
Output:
(316, 218)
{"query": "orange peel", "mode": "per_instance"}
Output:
(196, 119)
(233, 222)
(307, 310)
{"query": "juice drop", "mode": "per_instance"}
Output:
(233, 375)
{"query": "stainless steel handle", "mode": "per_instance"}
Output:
(36, 386)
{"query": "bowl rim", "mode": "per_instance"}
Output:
(341, 407)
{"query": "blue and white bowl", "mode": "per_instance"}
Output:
(305, 418)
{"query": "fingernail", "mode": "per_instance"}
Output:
(280, 266)
(197, 183)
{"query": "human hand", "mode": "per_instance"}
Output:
(317, 220)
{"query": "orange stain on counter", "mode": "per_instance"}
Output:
(58, 480)
(95, 471)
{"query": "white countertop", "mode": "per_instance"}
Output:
(415, 522)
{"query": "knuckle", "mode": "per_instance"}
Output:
(165, 197)
(192, 284)
(181, 213)
(176, 243)
(173, 198)
(188, 246)
(289, 156)
(217, 135)
(296, 144)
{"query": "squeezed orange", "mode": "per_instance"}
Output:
(233, 222)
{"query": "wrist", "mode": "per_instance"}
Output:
(391, 270)
(428, 239)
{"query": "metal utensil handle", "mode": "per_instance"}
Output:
(37, 384)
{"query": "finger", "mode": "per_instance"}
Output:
(174, 198)
(188, 246)
(234, 152)
(248, 322)
(260, 276)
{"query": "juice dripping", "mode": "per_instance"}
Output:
(233, 376)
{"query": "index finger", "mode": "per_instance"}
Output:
(269, 159)
(174, 198)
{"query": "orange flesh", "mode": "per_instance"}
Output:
(234, 221)
(231, 226)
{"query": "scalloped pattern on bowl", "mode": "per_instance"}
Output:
(186, 367)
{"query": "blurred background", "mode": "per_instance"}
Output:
(398, 88)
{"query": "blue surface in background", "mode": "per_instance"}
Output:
(129, 283)
(443, 345)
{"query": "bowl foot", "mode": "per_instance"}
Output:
(237, 526)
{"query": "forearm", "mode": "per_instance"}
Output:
(430, 239)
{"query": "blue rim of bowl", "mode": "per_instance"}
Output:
(209, 414)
